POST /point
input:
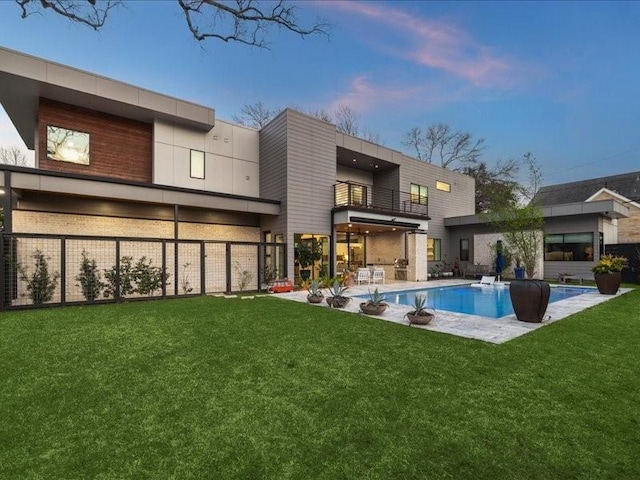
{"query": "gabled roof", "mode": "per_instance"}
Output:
(626, 184)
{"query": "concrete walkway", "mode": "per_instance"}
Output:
(493, 330)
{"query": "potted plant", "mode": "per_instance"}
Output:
(376, 304)
(607, 273)
(435, 271)
(308, 251)
(519, 270)
(337, 298)
(315, 293)
(419, 315)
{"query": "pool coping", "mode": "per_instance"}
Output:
(492, 330)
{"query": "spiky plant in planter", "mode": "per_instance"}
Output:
(315, 293)
(420, 315)
(337, 298)
(376, 304)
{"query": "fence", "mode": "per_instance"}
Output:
(53, 270)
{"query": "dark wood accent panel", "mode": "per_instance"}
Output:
(119, 147)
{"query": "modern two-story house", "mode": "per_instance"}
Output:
(112, 159)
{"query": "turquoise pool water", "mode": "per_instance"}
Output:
(492, 302)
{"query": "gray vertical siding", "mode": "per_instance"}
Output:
(273, 171)
(311, 173)
(460, 201)
(298, 167)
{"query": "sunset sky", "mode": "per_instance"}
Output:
(559, 79)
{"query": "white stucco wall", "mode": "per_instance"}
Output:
(482, 252)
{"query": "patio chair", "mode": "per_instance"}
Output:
(378, 275)
(485, 281)
(363, 275)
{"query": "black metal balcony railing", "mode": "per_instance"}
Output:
(349, 194)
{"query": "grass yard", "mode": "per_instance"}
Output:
(212, 388)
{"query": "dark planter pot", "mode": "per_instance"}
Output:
(315, 298)
(608, 283)
(373, 309)
(423, 319)
(519, 273)
(338, 302)
(530, 299)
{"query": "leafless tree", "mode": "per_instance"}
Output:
(346, 120)
(372, 136)
(12, 156)
(439, 144)
(243, 21)
(534, 176)
(255, 115)
(322, 115)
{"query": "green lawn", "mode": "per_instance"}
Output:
(213, 388)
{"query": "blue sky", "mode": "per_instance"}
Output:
(559, 79)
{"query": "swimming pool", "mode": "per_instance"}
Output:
(492, 302)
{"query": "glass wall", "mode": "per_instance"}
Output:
(311, 255)
(350, 252)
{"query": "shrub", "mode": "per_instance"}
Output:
(40, 284)
(125, 273)
(89, 278)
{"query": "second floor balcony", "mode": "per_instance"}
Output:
(350, 194)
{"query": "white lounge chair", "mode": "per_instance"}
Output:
(485, 281)
(378, 275)
(363, 275)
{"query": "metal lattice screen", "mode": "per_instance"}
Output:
(42, 270)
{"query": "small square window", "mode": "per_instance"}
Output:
(197, 164)
(444, 186)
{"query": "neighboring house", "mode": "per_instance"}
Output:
(112, 159)
(624, 188)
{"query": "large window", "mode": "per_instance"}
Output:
(434, 250)
(67, 145)
(197, 164)
(419, 194)
(464, 249)
(568, 247)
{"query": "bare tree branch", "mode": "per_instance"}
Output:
(322, 115)
(88, 12)
(13, 156)
(415, 140)
(243, 21)
(255, 115)
(346, 120)
(534, 176)
(372, 136)
(438, 144)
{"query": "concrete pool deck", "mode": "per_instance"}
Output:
(493, 330)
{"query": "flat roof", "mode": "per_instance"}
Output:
(608, 208)
(25, 78)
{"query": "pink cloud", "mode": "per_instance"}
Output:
(438, 45)
(365, 96)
